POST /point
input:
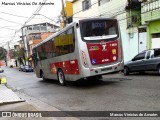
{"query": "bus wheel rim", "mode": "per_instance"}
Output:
(60, 76)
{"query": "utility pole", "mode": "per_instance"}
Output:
(8, 55)
(25, 46)
(63, 14)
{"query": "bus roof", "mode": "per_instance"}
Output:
(69, 25)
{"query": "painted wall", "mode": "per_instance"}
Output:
(153, 27)
(78, 13)
(112, 8)
(150, 11)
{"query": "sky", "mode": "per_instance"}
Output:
(14, 16)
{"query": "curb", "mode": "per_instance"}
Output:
(7, 96)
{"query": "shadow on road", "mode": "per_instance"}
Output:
(82, 83)
(143, 74)
(91, 83)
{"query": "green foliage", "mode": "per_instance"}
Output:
(20, 55)
(2, 53)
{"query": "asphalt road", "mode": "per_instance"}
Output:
(115, 92)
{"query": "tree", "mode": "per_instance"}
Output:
(2, 53)
(19, 55)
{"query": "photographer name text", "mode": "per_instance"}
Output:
(27, 3)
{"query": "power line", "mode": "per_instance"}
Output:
(11, 26)
(17, 15)
(5, 35)
(36, 12)
(13, 14)
(29, 19)
(11, 21)
(6, 28)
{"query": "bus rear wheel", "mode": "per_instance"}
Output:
(61, 77)
(43, 77)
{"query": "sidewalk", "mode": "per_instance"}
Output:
(9, 101)
(8, 96)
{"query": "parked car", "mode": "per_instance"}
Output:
(27, 68)
(1, 70)
(21, 67)
(148, 60)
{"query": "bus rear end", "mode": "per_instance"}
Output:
(100, 47)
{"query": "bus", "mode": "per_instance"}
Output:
(85, 49)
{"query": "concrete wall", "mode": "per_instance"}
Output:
(78, 13)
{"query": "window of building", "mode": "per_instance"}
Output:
(134, 18)
(35, 36)
(37, 27)
(29, 28)
(156, 35)
(101, 2)
(86, 4)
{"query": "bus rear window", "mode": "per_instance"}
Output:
(99, 29)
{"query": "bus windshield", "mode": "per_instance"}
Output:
(99, 29)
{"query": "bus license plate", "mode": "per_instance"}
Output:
(105, 69)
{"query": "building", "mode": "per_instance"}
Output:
(10, 59)
(136, 31)
(34, 34)
(35, 38)
(21, 44)
(150, 14)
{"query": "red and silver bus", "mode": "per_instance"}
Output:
(86, 49)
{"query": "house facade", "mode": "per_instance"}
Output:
(150, 14)
(34, 34)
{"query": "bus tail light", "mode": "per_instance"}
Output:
(84, 58)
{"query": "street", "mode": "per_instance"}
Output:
(115, 92)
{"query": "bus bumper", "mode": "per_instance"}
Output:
(104, 69)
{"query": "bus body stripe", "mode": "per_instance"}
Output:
(68, 67)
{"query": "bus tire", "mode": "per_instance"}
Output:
(61, 77)
(43, 77)
(126, 71)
